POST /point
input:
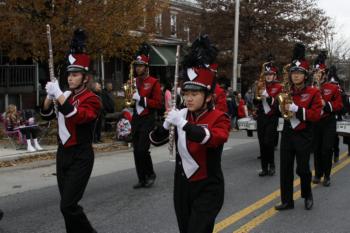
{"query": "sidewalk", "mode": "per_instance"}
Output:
(8, 154)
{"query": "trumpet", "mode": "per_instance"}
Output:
(285, 97)
(129, 88)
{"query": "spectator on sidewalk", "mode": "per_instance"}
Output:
(232, 107)
(124, 126)
(242, 107)
(14, 121)
(97, 89)
(110, 92)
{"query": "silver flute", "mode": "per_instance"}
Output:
(50, 60)
(174, 95)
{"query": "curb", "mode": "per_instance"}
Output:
(10, 160)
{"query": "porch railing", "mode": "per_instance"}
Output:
(16, 76)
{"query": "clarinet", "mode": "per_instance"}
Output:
(174, 95)
(50, 61)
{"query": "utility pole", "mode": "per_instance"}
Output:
(235, 46)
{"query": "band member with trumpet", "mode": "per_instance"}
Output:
(201, 131)
(77, 112)
(333, 78)
(267, 117)
(325, 129)
(148, 98)
(303, 107)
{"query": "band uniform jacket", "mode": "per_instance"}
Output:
(309, 102)
(333, 101)
(150, 93)
(76, 117)
(199, 144)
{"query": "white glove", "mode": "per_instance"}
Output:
(53, 89)
(175, 117)
(166, 125)
(136, 96)
(50, 97)
(293, 107)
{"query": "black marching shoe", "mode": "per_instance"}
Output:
(326, 182)
(316, 180)
(336, 157)
(263, 173)
(309, 202)
(284, 206)
(140, 184)
(1, 214)
(272, 170)
(150, 180)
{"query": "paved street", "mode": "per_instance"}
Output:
(29, 197)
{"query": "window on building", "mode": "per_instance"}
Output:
(158, 22)
(173, 25)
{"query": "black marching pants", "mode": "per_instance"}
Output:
(336, 145)
(197, 203)
(267, 131)
(295, 145)
(74, 166)
(324, 135)
(141, 127)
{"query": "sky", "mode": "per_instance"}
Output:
(339, 10)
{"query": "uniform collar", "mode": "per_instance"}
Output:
(297, 92)
(198, 115)
(79, 93)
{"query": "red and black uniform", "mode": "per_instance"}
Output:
(242, 109)
(325, 130)
(142, 123)
(199, 182)
(75, 156)
(220, 99)
(267, 122)
(296, 142)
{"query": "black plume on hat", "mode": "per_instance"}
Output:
(202, 53)
(78, 43)
(143, 50)
(298, 52)
(332, 73)
(321, 58)
(270, 57)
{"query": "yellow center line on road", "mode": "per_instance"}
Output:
(271, 212)
(253, 207)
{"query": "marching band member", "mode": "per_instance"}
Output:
(78, 110)
(202, 131)
(333, 78)
(148, 98)
(267, 119)
(296, 141)
(219, 92)
(325, 129)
